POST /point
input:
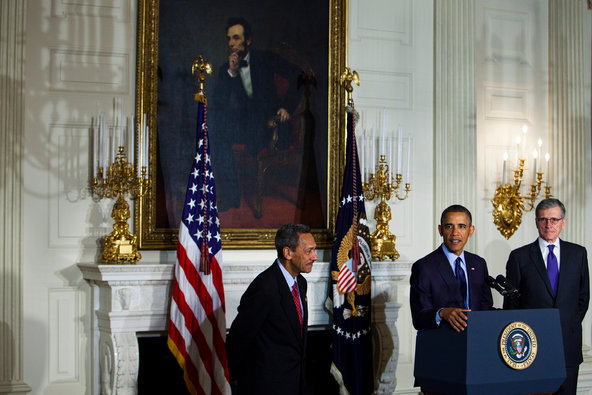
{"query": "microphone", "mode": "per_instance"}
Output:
(493, 284)
(509, 288)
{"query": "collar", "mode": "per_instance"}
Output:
(543, 243)
(287, 276)
(451, 256)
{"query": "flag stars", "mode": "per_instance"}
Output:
(189, 218)
(191, 203)
(195, 173)
(193, 188)
(197, 234)
(200, 219)
(349, 199)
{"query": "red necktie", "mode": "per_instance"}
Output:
(296, 297)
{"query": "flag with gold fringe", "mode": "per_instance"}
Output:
(197, 326)
(351, 269)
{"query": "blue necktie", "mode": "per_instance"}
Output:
(462, 282)
(552, 269)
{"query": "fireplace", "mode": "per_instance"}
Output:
(131, 305)
(159, 372)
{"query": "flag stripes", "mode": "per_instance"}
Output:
(197, 326)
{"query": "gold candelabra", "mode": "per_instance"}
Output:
(509, 203)
(121, 245)
(381, 185)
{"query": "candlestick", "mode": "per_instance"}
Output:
(524, 131)
(147, 151)
(390, 145)
(547, 157)
(504, 169)
(382, 122)
(399, 149)
(408, 176)
(373, 137)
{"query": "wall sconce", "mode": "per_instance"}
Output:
(509, 203)
(382, 182)
(115, 174)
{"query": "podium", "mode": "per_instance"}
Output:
(478, 360)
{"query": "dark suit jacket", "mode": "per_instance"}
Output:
(265, 346)
(274, 86)
(526, 270)
(434, 286)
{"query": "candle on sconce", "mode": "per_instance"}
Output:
(504, 168)
(518, 139)
(524, 131)
(130, 139)
(390, 153)
(547, 157)
(141, 138)
(399, 149)
(373, 148)
(95, 137)
(408, 160)
(102, 145)
(147, 150)
(540, 145)
(121, 124)
(534, 167)
(381, 150)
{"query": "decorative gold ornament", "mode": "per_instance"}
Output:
(202, 66)
(121, 245)
(346, 79)
(509, 203)
(382, 185)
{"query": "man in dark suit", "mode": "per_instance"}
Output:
(553, 273)
(252, 87)
(267, 339)
(448, 282)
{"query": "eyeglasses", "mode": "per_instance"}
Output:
(552, 221)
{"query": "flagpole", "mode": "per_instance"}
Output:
(197, 325)
(351, 271)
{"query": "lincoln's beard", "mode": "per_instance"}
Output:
(240, 52)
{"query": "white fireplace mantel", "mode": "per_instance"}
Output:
(132, 299)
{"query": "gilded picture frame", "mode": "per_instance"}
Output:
(148, 227)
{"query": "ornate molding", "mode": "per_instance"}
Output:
(119, 361)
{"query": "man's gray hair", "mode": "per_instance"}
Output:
(548, 203)
(288, 235)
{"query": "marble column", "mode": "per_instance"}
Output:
(12, 49)
(455, 125)
(569, 115)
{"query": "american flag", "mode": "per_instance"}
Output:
(351, 278)
(197, 327)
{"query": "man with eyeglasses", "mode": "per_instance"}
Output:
(553, 273)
